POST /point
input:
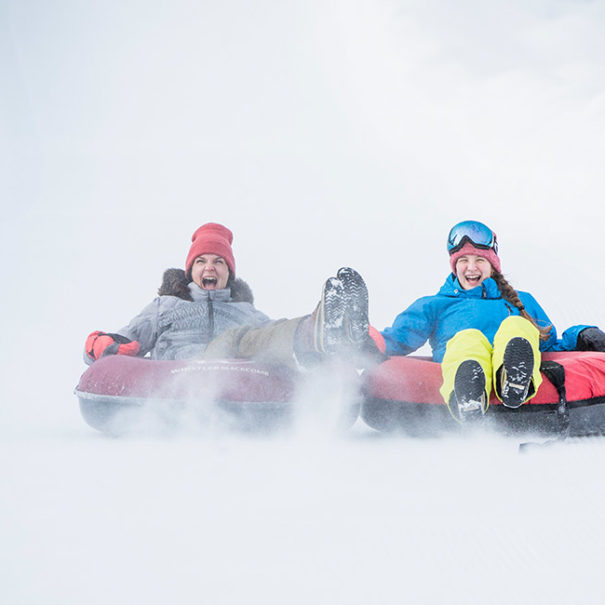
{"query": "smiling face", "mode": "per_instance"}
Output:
(471, 270)
(210, 272)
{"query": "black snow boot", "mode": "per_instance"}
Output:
(356, 322)
(321, 333)
(339, 325)
(514, 380)
(329, 318)
(469, 399)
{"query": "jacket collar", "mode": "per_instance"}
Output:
(452, 288)
(175, 283)
(198, 294)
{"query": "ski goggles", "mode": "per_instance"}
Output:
(478, 234)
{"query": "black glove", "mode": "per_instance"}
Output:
(591, 339)
(372, 353)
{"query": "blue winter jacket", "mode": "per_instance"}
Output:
(438, 318)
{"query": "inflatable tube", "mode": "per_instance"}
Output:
(402, 394)
(119, 393)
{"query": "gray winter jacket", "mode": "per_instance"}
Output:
(180, 322)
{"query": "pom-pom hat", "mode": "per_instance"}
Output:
(211, 238)
(473, 237)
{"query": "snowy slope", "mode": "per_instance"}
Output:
(323, 134)
(357, 520)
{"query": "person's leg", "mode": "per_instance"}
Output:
(337, 328)
(467, 372)
(274, 343)
(516, 361)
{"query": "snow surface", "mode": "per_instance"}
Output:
(323, 133)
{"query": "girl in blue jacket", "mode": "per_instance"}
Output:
(482, 330)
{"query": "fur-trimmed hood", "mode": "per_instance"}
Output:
(175, 283)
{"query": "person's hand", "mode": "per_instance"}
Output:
(591, 339)
(99, 344)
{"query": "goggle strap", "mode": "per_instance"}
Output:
(466, 239)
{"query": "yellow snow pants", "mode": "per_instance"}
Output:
(472, 344)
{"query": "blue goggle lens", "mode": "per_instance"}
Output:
(476, 233)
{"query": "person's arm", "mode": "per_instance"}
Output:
(410, 330)
(137, 338)
(144, 327)
(569, 340)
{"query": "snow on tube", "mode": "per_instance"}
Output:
(402, 394)
(119, 393)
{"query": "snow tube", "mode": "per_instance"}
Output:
(119, 394)
(402, 394)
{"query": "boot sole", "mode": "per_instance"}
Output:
(356, 299)
(330, 317)
(517, 371)
(469, 391)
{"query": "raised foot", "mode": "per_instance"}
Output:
(516, 373)
(356, 322)
(469, 399)
(341, 318)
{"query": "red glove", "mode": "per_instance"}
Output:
(99, 344)
(378, 339)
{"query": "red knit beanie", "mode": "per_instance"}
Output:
(211, 238)
(468, 248)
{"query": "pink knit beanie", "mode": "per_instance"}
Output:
(468, 248)
(211, 238)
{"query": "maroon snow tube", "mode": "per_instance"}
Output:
(250, 394)
(402, 394)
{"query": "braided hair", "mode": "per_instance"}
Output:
(511, 295)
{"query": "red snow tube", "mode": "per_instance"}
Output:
(119, 393)
(403, 394)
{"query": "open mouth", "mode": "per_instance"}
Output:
(472, 279)
(209, 282)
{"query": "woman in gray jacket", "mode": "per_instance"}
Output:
(205, 312)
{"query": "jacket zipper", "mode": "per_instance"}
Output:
(211, 317)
